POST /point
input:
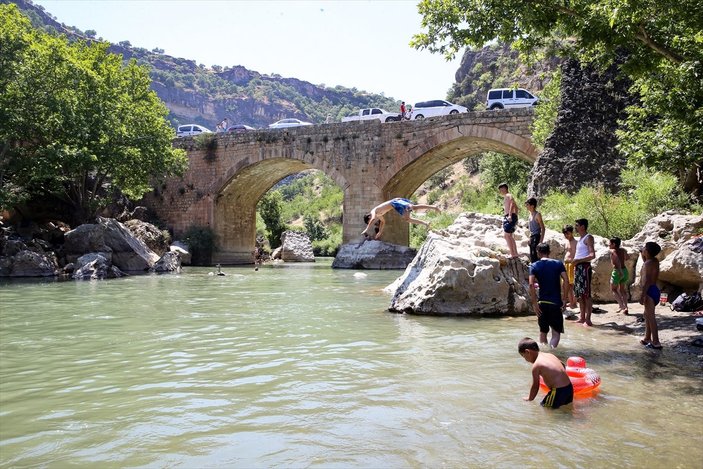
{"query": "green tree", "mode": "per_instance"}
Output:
(76, 121)
(497, 168)
(546, 112)
(269, 207)
(660, 44)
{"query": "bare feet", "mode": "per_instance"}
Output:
(644, 342)
(587, 324)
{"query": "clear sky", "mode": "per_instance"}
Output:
(353, 43)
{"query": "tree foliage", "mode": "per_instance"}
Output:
(269, 207)
(75, 120)
(661, 42)
(546, 112)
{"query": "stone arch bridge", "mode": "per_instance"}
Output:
(371, 161)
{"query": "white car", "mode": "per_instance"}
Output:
(434, 108)
(285, 123)
(505, 98)
(191, 130)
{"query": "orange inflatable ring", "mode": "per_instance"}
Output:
(584, 380)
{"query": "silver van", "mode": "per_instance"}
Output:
(507, 98)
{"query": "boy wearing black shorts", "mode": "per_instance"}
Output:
(550, 275)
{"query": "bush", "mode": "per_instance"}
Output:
(201, 242)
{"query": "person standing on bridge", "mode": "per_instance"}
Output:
(402, 110)
(400, 205)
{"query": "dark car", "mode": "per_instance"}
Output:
(239, 128)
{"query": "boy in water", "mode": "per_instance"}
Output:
(568, 232)
(650, 294)
(400, 205)
(619, 275)
(552, 372)
(510, 210)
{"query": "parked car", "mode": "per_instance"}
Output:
(190, 130)
(239, 128)
(371, 114)
(434, 108)
(285, 123)
(504, 98)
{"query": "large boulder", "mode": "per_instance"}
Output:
(453, 275)
(157, 240)
(169, 262)
(95, 266)
(296, 247)
(183, 251)
(26, 263)
(681, 258)
(373, 254)
(114, 240)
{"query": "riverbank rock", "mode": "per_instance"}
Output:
(95, 266)
(373, 254)
(169, 262)
(27, 263)
(157, 240)
(681, 259)
(183, 251)
(456, 273)
(114, 240)
(296, 247)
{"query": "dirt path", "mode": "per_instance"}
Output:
(677, 330)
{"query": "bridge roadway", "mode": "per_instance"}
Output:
(371, 161)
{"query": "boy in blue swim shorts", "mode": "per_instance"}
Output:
(402, 206)
(552, 372)
(650, 294)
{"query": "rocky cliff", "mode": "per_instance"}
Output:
(582, 150)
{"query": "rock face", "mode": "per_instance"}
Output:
(373, 254)
(581, 149)
(296, 247)
(114, 241)
(452, 274)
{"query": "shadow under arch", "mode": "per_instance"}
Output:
(445, 149)
(234, 210)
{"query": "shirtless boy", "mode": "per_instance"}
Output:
(552, 372)
(568, 232)
(400, 205)
(510, 210)
(650, 294)
(619, 276)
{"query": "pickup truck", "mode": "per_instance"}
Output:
(372, 113)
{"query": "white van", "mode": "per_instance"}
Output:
(507, 98)
(437, 107)
(190, 130)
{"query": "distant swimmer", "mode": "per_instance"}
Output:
(400, 205)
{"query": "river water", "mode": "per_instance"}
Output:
(302, 366)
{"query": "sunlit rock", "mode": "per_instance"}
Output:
(457, 272)
(296, 247)
(373, 254)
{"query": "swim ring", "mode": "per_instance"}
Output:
(585, 380)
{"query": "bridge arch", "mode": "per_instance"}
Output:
(238, 193)
(445, 149)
